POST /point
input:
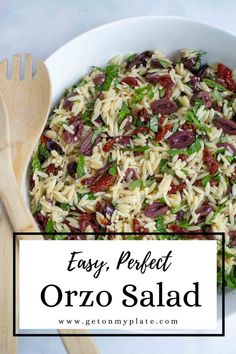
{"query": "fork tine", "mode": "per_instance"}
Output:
(40, 70)
(3, 69)
(28, 67)
(16, 67)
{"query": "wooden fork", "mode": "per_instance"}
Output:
(28, 103)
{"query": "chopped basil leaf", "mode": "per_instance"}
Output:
(91, 196)
(111, 73)
(205, 180)
(80, 166)
(64, 206)
(43, 151)
(195, 147)
(193, 119)
(36, 164)
(213, 84)
(138, 149)
(198, 103)
(112, 170)
(135, 184)
(141, 92)
(160, 224)
(153, 124)
(97, 132)
(164, 63)
(123, 112)
(164, 168)
(184, 224)
(50, 226)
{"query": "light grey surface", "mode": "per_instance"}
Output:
(42, 26)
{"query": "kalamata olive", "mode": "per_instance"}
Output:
(41, 221)
(180, 215)
(52, 145)
(99, 79)
(232, 234)
(67, 103)
(231, 149)
(139, 59)
(87, 146)
(202, 71)
(78, 126)
(108, 209)
(164, 106)
(71, 168)
(228, 126)
(153, 78)
(129, 175)
(204, 96)
(190, 63)
(181, 139)
(155, 63)
(124, 141)
(203, 211)
(155, 209)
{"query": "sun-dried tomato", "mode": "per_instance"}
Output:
(87, 219)
(129, 80)
(177, 187)
(52, 169)
(44, 139)
(141, 130)
(226, 74)
(142, 114)
(161, 120)
(208, 158)
(162, 131)
(137, 227)
(102, 183)
(176, 228)
(183, 157)
(166, 82)
(109, 144)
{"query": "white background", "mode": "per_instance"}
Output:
(44, 263)
(40, 27)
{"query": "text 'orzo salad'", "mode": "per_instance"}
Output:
(145, 144)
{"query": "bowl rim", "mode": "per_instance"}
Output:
(136, 19)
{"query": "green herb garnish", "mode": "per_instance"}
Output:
(153, 124)
(80, 166)
(138, 149)
(112, 170)
(111, 73)
(205, 180)
(213, 84)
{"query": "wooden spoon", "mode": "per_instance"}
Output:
(28, 103)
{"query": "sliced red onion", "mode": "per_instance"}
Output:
(181, 139)
(125, 141)
(155, 209)
(78, 126)
(203, 211)
(129, 175)
(108, 209)
(67, 103)
(99, 79)
(87, 146)
(231, 149)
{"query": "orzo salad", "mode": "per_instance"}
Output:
(144, 144)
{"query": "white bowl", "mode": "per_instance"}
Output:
(167, 34)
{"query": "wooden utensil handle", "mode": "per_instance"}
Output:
(20, 216)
